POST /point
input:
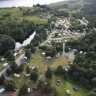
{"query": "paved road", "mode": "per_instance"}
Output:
(18, 62)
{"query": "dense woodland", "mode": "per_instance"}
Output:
(84, 68)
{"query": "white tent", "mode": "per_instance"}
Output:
(68, 92)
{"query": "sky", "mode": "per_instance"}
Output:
(10, 3)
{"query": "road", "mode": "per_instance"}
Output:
(49, 37)
(18, 62)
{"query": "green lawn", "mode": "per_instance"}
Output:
(36, 19)
(17, 14)
(42, 63)
(66, 85)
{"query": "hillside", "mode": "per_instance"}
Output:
(71, 5)
(59, 60)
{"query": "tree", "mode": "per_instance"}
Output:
(50, 51)
(9, 71)
(23, 90)
(9, 85)
(28, 69)
(59, 70)
(92, 93)
(48, 73)
(93, 81)
(2, 78)
(34, 76)
(21, 67)
(28, 54)
(14, 67)
(6, 43)
(9, 55)
(44, 86)
(33, 49)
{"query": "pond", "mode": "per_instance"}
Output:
(25, 42)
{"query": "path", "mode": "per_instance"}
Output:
(49, 37)
(18, 62)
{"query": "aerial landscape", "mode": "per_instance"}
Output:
(48, 48)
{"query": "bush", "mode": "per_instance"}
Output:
(23, 90)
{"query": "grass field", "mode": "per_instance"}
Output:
(66, 85)
(41, 63)
(36, 19)
(17, 14)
